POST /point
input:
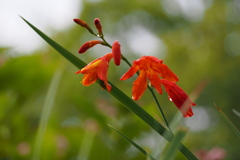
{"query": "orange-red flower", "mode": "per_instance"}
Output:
(95, 70)
(150, 68)
(178, 97)
(116, 51)
(89, 44)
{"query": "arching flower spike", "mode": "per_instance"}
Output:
(95, 70)
(179, 98)
(150, 68)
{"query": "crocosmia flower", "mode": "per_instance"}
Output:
(116, 51)
(88, 45)
(150, 68)
(95, 70)
(178, 97)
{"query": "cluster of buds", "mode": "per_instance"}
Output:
(97, 69)
(148, 68)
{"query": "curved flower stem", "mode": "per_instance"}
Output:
(159, 106)
(107, 44)
(150, 89)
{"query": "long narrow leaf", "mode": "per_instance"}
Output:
(133, 143)
(171, 151)
(118, 94)
(229, 122)
(47, 108)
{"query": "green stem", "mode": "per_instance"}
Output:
(159, 107)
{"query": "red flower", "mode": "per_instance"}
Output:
(95, 70)
(151, 68)
(89, 44)
(116, 51)
(178, 97)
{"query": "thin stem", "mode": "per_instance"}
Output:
(107, 44)
(159, 107)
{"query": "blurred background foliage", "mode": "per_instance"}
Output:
(198, 40)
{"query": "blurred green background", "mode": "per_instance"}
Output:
(199, 40)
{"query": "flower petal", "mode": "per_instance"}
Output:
(89, 79)
(92, 66)
(102, 71)
(179, 98)
(155, 81)
(167, 74)
(130, 72)
(139, 86)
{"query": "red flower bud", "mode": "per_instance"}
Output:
(83, 24)
(116, 51)
(88, 45)
(98, 26)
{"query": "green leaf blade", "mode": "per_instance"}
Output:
(133, 143)
(229, 121)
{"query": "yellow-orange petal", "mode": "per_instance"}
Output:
(139, 86)
(91, 67)
(88, 45)
(89, 79)
(116, 51)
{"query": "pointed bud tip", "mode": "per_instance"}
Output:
(96, 21)
(77, 72)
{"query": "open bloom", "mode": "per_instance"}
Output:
(178, 97)
(95, 70)
(150, 68)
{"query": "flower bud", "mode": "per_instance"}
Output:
(83, 24)
(116, 52)
(88, 45)
(98, 26)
